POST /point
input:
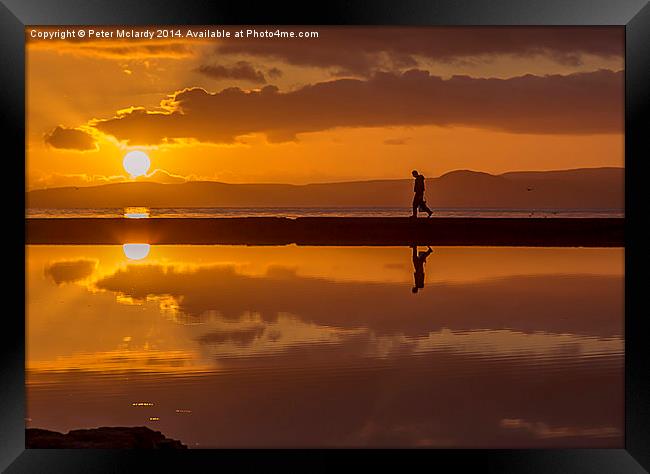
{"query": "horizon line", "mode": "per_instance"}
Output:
(136, 181)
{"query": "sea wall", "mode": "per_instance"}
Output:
(596, 232)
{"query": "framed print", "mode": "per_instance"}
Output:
(388, 233)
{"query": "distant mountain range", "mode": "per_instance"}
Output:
(586, 188)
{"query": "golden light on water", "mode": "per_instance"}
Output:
(219, 336)
(136, 251)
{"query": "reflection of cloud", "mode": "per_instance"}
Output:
(71, 139)
(124, 360)
(580, 103)
(136, 251)
(542, 430)
(281, 363)
(70, 271)
(580, 304)
(242, 337)
(253, 337)
(326, 397)
(542, 347)
(396, 141)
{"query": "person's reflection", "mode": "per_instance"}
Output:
(419, 260)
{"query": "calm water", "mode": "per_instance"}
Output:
(323, 212)
(323, 346)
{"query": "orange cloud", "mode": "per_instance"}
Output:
(579, 103)
(55, 180)
(118, 49)
(161, 176)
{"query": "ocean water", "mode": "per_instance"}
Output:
(290, 346)
(316, 212)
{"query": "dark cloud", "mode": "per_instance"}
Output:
(580, 103)
(362, 50)
(70, 271)
(70, 138)
(242, 70)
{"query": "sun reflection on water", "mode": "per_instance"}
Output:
(136, 212)
(136, 251)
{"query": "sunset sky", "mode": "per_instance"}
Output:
(352, 104)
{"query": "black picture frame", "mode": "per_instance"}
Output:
(634, 15)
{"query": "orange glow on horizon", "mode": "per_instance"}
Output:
(75, 92)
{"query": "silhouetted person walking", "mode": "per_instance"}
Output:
(419, 260)
(418, 198)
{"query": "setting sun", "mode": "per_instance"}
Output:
(136, 163)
